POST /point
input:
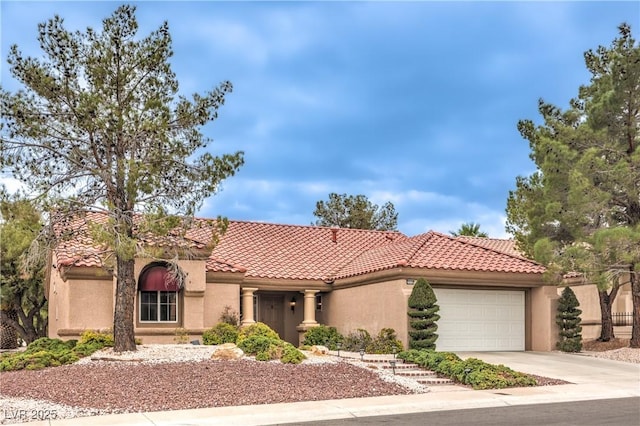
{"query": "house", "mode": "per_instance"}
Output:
(295, 277)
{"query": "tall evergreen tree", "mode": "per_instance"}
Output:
(568, 321)
(349, 211)
(580, 211)
(23, 303)
(423, 316)
(100, 125)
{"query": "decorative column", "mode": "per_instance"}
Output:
(309, 314)
(247, 305)
(310, 307)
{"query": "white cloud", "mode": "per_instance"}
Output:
(12, 185)
(412, 196)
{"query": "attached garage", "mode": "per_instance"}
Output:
(481, 320)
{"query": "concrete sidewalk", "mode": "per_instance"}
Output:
(591, 378)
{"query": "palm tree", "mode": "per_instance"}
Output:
(469, 229)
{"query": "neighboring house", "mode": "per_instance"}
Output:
(296, 277)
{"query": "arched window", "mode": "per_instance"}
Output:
(158, 295)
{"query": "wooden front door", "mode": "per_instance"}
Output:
(271, 312)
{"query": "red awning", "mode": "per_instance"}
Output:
(156, 279)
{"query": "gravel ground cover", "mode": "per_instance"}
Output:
(167, 377)
(150, 379)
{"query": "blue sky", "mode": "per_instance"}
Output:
(410, 102)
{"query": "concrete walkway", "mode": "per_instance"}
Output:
(591, 378)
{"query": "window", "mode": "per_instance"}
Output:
(159, 306)
(158, 295)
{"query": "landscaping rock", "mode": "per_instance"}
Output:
(227, 351)
(319, 350)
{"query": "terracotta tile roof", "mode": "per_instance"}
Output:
(295, 252)
(78, 249)
(501, 245)
(221, 266)
(273, 251)
(434, 250)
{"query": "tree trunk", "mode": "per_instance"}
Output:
(8, 334)
(635, 297)
(123, 333)
(606, 303)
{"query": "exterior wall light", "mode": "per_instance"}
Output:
(411, 281)
(293, 304)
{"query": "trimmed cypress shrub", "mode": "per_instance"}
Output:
(568, 320)
(423, 316)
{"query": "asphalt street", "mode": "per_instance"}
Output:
(602, 412)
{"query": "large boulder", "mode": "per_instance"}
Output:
(227, 351)
(319, 350)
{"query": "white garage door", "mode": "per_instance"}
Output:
(480, 320)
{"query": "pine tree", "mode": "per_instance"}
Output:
(580, 210)
(423, 316)
(355, 211)
(568, 320)
(99, 125)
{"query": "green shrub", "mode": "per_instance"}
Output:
(220, 333)
(256, 329)
(263, 356)
(46, 352)
(284, 351)
(291, 355)
(98, 337)
(385, 342)
(37, 360)
(356, 340)
(92, 341)
(50, 345)
(423, 316)
(568, 321)
(257, 343)
(473, 372)
(323, 335)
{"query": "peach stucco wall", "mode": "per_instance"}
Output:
(542, 310)
(587, 296)
(96, 298)
(57, 304)
(384, 305)
(79, 303)
(372, 307)
(216, 297)
(86, 301)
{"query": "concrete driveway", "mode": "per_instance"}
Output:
(604, 375)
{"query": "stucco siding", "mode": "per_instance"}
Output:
(90, 304)
(58, 304)
(216, 297)
(543, 333)
(371, 307)
(587, 296)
